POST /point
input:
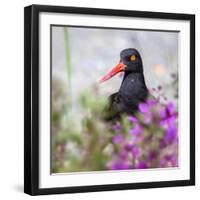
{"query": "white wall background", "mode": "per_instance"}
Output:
(11, 101)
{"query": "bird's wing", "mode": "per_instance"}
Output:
(114, 107)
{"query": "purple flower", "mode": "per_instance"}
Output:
(135, 151)
(152, 155)
(170, 108)
(144, 107)
(168, 157)
(152, 102)
(132, 119)
(162, 163)
(169, 160)
(128, 147)
(117, 126)
(168, 114)
(119, 166)
(116, 139)
(123, 154)
(141, 165)
(162, 143)
(174, 160)
(136, 130)
(171, 132)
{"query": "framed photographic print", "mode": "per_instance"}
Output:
(109, 100)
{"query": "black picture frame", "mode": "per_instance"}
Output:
(31, 98)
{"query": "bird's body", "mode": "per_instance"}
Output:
(133, 89)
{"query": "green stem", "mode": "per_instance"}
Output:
(67, 56)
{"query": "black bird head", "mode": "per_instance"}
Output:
(130, 62)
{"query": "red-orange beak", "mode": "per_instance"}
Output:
(118, 68)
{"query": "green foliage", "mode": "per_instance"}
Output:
(81, 148)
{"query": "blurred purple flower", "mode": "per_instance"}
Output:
(169, 160)
(168, 114)
(123, 154)
(119, 166)
(135, 151)
(162, 163)
(152, 155)
(132, 119)
(174, 160)
(117, 126)
(116, 139)
(152, 102)
(141, 165)
(171, 132)
(136, 130)
(144, 107)
(146, 110)
(128, 146)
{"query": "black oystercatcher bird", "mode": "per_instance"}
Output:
(133, 89)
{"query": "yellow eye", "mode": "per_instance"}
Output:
(133, 58)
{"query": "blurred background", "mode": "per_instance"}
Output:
(80, 56)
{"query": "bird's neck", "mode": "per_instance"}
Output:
(129, 75)
(132, 85)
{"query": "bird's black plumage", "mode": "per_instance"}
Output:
(133, 89)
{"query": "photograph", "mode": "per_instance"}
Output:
(114, 99)
(109, 99)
